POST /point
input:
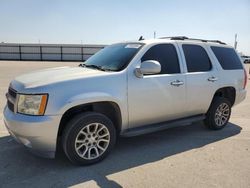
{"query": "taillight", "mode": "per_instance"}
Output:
(245, 79)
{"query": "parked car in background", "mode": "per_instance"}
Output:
(126, 89)
(246, 59)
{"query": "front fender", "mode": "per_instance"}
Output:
(92, 97)
(86, 98)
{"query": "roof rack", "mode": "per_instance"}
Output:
(175, 38)
(186, 38)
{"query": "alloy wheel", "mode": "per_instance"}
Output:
(92, 141)
(222, 114)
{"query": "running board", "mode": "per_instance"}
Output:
(162, 126)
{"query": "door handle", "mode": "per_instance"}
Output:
(177, 83)
(212, 79)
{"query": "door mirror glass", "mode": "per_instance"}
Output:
(148, 67)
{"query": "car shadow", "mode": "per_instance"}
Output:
(19, 168)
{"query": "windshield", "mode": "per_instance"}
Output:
(114, 57)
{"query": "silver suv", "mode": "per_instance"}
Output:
(126, 89)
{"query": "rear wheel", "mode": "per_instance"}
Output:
(218, 114)
(88, 138)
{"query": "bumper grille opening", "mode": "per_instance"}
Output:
(10, 106)
(12, 93)
(11, 103)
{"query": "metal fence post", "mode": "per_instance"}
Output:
(61, 53)
(82, 53)
(41, 53)
(20, 53)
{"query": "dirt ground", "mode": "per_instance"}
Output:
(190, 156)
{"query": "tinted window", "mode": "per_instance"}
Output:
(227, 57)
(166, 55)
(196, 58)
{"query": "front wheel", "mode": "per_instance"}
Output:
(88, 138)
(218, 114)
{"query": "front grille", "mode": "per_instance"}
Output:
(11, 99)
(12, 92)
(10, 106)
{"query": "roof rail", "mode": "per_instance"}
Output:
(186, 38)
(175, 38)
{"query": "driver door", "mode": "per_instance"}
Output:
(160, 97)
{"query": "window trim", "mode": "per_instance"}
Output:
(184, 58)
(178, 58)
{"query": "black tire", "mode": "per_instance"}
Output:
(211, 122)
(72, 132)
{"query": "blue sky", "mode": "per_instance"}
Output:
(109, 21)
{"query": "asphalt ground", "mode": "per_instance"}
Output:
(190, 156)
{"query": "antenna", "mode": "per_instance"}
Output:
(141, 38)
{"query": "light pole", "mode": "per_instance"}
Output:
(235, 41)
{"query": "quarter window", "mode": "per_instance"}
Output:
(227, 58)
(166, 55)
(196, 58)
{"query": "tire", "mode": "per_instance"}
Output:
(88, 138)
(218, 114)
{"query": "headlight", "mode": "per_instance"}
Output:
(32, 104)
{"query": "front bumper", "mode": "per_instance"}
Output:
(37, 133)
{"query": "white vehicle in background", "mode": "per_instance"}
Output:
(246, 59)
(126, 89)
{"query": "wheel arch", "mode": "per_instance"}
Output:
(108, 108)
(226, 92)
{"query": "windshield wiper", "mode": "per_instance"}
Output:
(92, 66)
(96, 67)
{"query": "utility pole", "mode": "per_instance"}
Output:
(154, 34)
(235, 41)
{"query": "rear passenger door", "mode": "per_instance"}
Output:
(201, 77)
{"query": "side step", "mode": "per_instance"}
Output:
(161, 126)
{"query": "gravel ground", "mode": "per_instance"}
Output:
(190, 156)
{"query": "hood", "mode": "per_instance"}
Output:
(55, 75)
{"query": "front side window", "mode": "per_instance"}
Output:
(196, 57)
(227, 58)
(114, 57)
(166, 55)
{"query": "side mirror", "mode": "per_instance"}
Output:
(148, 67)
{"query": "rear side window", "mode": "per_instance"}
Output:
(227, 58)
(196, 58)
(166, 55)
